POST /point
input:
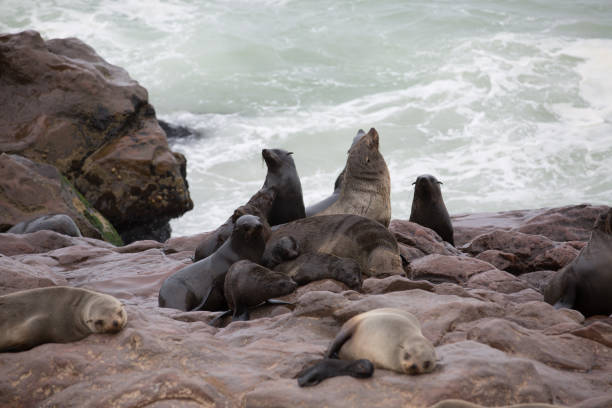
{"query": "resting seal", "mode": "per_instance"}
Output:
(389, 338)
(585, 284)
(331, 367)
(248, 284)
(428, 207)
(56, 314)
(326, 202)
(199, 286)
(61, 223)
(283, 177)
(316, 266)
(343, 235)
(366, 186)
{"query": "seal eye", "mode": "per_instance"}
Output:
(407, 356)
(426, 365)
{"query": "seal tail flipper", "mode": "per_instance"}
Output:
(214, 322)
(336, 345)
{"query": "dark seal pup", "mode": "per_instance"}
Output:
(343, 235)
(428, 207)
(316, 266)
(248, 284)
(56, 314)
(200, 286)
(326, 202)
(585, 284)
(366, 186)
(331, 367)
(283, 177)
(61, 223)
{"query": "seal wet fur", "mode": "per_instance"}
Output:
(283, 177)
(56, 314)
(428, 207)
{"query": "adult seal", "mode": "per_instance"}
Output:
(199, 286)
(61, 223)
(390, 338)
(283, 177)
(56, 315)
(585, 284)
(366, 185)
(315, 266)
(428, 207)
(331, 367)
(326, 202)
(342, 235)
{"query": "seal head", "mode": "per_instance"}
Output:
(283, 177)
(428, 207)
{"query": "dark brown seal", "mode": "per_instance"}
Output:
(314, 266)
(331, 367)
(200, 286)
(585, 284)
(61, 223)
(248, 284)
(343, 235)
(56, 315)
(428, 207)
(366, 186)
(283, 177)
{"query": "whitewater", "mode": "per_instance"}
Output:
(508, 103)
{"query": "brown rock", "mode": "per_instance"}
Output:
(445, 268)
(599, 331)
(419, 240)
(393, 284)
(498, 281)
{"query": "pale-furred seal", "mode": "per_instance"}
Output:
(248, 284)
(343, 235)
(428, 207)
(332, 367)
(585, 284)
(283, 177)
(314, 266)
(199, 286)
(326, 202)
(61, 223)
(57, 314)
(390, 338)
(366, 185)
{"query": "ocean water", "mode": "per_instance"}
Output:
(508, 103)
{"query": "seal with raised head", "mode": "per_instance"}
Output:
(428, 207)
(61, 223)
(283, 177)
(585, 284)
(314, 266)
(331, 367)
(199, 286)
(390, 338)
(57, 314)
(248, 284)
(345, 236)
(366, 185)
(326, 202)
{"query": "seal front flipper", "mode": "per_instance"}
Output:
(328, 368)
(241, 314)
(203, 302)
(341, 338)
(214, 322)
(568, 299)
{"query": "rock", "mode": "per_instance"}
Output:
(446, 268)
(393, 284)
(599, 331)
(498, 281)
(29, 189)
(419, 241)
(64, 105)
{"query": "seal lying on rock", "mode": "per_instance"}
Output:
(200, 286)
(316, 266)
(585, 284)
(56, 314)
(326, 202)
(283, 177)
(61, 223)
(366, 185)
(343, 235)
(248, 284)
(390, 338)
(331, 367)
(428, 207)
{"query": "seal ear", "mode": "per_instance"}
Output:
(372, 139)
(439, 182)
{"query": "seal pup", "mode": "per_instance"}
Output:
(326, 202)
(314, 266)
(585, 284)
(390, 338)
(343, 235)
(61, 223)
(428, 207)
(248, 284)
(57, 314)
(283, 177)
(331, 367)
(366, 185)
(199, 286)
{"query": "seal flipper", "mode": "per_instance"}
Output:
(203, 302)
(328, 368)
(341, 338)
(278, 302)
(568, 299)
(241, 313)
(217, 319)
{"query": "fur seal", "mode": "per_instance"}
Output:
(61, 223)
(585, 284)
(283, 177)
(366, 185)
(248, 284)
(314, 266)
(428, 207)
(331, 367)
(326, 202)
(56, 314)
(343, 235)
(199, 286)
(390, 338)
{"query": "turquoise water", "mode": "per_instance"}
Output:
(509, 103)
